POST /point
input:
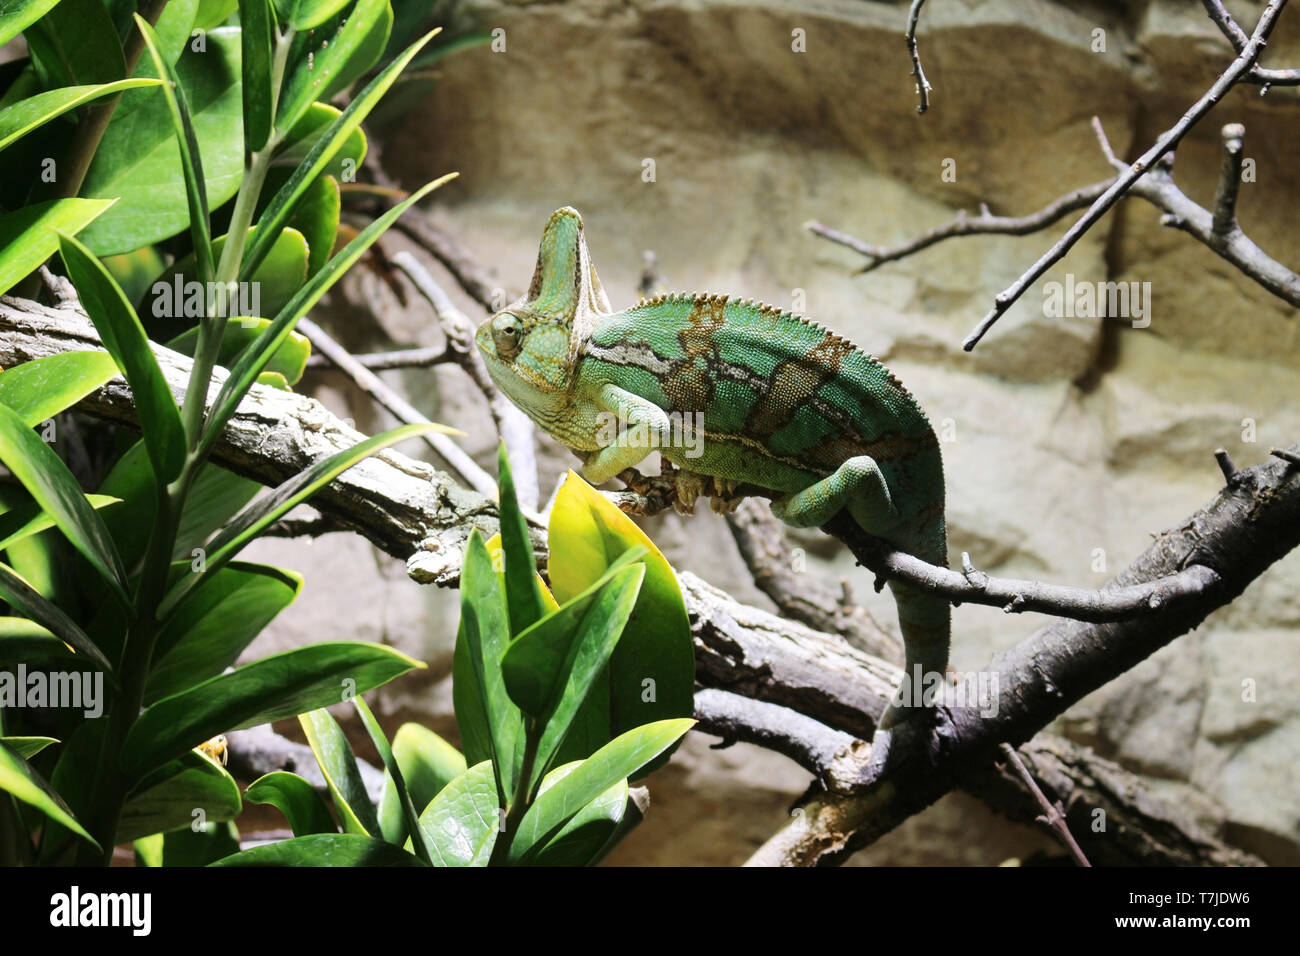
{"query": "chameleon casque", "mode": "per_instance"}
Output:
(733, 393)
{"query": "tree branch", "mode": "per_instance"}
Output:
(923, 86)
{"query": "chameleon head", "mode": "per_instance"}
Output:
(530, 346)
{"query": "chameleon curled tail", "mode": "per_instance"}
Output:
(738, 392)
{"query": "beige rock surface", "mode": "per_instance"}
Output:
(1068, 442)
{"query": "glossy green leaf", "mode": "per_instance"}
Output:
(316, 123)
(588, 534)
(40, 389)
(19, 778)
(169, 797)
(583, 653)
(213, 13)
(271, 507)
(23, 641)
(324, 849)
(491, 726)
(257, 22)
(298, 800)
(273, 688)
(48, 480)
(196, 195)
(279, 276)
(29, 236)
(220, 619)
(618, 759)
(255, 360)
(339, 765)
(580, 841)
(523, 597)
(77, 42)
(186, 846)
(317, 218)
(26, 115)
(305, 14)
(27, 747)
(28, 519)
(217, 496)
(460, 825)
(124, 337)
(330, 58)
(17, 15)
(428, 764)
(139, 161)
(286, 200)
(394, 779)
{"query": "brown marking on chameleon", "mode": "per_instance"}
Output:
(690, 381)
(793, 383)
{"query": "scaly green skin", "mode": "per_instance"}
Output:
(732, 392)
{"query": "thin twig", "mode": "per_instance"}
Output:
(366, 380)
(1052, 817)
(1225, 196)
(1285, 455)
(922, 84)
(964, 225)
(1237, 37)
(1226, 465)
(1167, 141)
(386, 361)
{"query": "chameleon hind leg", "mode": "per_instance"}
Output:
(857, 484)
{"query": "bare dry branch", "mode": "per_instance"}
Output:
(1053, 816)
(385, 361)
(1237, 37)
(923, 86)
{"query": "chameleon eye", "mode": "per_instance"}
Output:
(506, 332)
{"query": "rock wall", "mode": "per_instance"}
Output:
(1068, 442)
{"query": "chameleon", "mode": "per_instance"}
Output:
(732, 393)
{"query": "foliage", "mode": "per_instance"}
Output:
(195, 151)
(543, 779)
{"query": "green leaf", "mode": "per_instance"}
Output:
(28, 519)
(460, 825)
(286, 200)
(19, 778)
(339, 765)
(170, 796)
(139, 159)
(394, 780)
(305, 14)
(307, 133)
(27, 747)
(581, 644)
(22, 597)
(298, 800)
(211, 629)
(17, 15)
(523, 597)
(353, 44)
(21, 118)
(588, 535)
(317, 218)
(581, 841)
(124, 337)
(265, 510)
(324, 849)
(213, 13)
(428, 764)
(257, 22)
(252, 362)
(187, 847)
(48, 480)
(216, 497)
(276, 687)
(40, 389)
(618, 759)
(23, 641)
(490, 724)
(178, 106)
(29, 236)
(76, 41)
(279, 276)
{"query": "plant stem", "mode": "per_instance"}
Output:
(522, 798)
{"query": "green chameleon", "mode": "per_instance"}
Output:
(735, 394)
